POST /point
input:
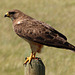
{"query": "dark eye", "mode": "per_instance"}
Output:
(11, 12)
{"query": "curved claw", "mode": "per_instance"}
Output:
(29, 58)
(32, 56)
(25, 58)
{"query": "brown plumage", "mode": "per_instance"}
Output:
(37, 33)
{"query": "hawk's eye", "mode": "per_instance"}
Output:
(11, 12)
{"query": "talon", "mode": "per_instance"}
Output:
(29, 58)
(25, 58)
(32, 56)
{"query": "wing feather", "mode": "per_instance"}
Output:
(40, 32)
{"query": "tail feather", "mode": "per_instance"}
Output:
(69, 46)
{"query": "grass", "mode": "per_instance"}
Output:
(13, 50)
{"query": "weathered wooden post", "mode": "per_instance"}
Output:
(35, 68)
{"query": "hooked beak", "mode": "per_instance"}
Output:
(7, 15)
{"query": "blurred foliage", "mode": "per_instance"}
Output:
(60, 14)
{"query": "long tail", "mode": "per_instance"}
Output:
(66, 45)
(69, 46)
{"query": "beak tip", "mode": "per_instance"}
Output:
(5, 15)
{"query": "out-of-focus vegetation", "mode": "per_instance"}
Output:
(60, 14)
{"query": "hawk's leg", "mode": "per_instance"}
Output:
(32, 56)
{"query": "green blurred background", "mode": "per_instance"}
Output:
(60, 14)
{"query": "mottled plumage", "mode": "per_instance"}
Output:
(37, 33)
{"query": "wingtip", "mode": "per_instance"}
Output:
(70, 46)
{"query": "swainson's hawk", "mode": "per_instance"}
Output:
(37, 33)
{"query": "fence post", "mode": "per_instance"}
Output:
(35, 68)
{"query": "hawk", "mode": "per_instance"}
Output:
(37, 33)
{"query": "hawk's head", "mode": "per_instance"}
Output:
(14, 14)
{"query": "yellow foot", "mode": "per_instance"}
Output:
(28, 59)
(32, 56)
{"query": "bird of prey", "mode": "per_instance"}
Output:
(36, 33)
